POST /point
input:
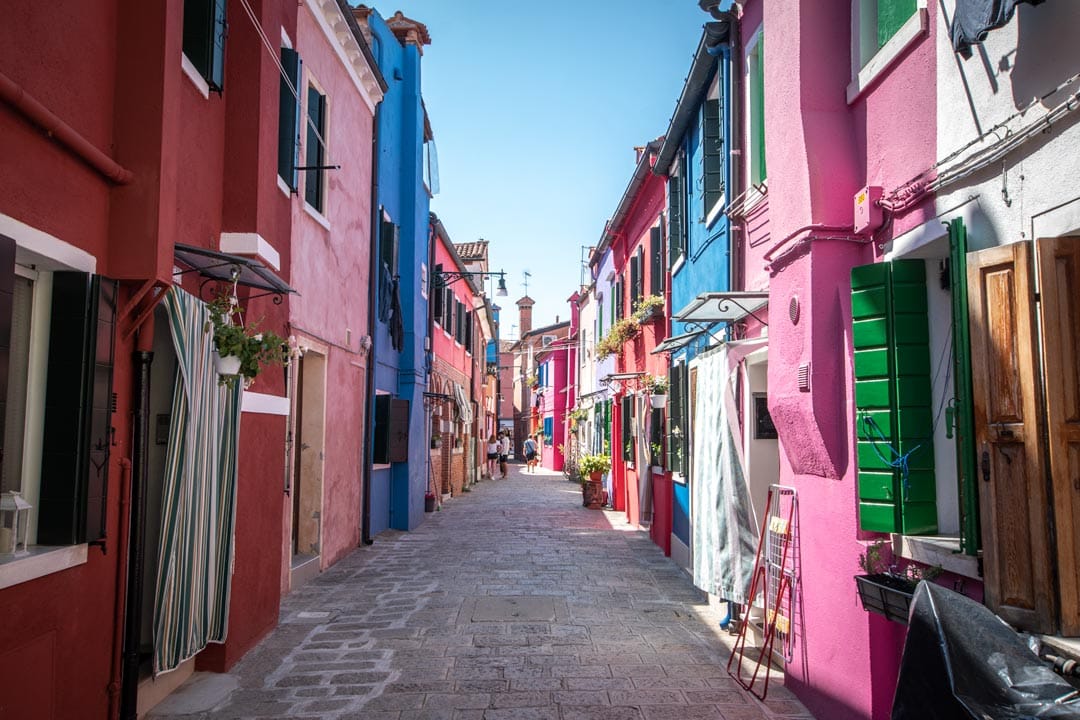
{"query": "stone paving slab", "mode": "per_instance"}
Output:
(511, 603)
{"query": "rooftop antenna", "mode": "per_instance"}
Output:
(527, 275)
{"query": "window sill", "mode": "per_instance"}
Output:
(381, 466)
(678, 478)
(943, 550)
(908, 34)
(195, 77)
(316, 215)
(717, 210)
(678, 264)
(284, 187)
(42, 561)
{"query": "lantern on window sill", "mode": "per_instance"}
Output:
(14, 524)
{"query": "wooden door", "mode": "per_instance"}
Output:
(1059, 278)
(1013, 499)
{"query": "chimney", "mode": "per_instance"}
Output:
(525, 306)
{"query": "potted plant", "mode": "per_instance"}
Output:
(650, 307)
(886, 589)
(657, 458)
(657, 387)
(241, 352)
(436, 441)
(593, 467)
(622, 332)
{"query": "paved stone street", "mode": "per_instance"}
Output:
(512, 603)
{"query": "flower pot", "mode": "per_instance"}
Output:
(429, 503)
(658, 402)
(886, 595)
(226, 364)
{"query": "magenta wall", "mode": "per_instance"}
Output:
(817, 153)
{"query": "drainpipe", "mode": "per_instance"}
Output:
(119, 590)
(16, 96)
(129, 688)
(369, 390)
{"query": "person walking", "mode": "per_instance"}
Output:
(504, 453)
(530, 454)
(492, 455)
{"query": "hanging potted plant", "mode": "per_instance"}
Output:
(241, 352)
(885, 589)
(648, 308)
(592, 469)
(657, 387)
(436, 441)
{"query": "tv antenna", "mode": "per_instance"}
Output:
(527, 275)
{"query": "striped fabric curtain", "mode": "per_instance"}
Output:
(198, 506)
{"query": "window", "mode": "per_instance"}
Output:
(620, 291)
(549, 424)
(676, 187)
(468, 331)
(878, 22)
(459, 322)
(755, 69)
(289, 119)
(391, 441)
(635, 276)
(58, 398)
(315, 158)
(893, 398)
(204, 39)
(448, 310)
(656, 259)
(389, 239)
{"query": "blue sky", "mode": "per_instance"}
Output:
(536, 108)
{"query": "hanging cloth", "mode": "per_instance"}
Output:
(198, 504)
(974, 19)
(464, 407)
(397, 322)
(724, 524)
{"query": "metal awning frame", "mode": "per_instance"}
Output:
(217, 266)
(748, 304)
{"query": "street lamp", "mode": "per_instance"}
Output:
(446, 278)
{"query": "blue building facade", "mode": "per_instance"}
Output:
(404, 179)
(695, 158)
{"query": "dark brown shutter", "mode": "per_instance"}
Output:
(399, 431)
(104, 292)
(380, 451)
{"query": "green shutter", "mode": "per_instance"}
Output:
(893, 399)
(677, 214)
(891, 16)
(289, 119)
(656, 258)
(204, 39)
(316, 152)
(964, 410)
(712, 155)
(757, 100)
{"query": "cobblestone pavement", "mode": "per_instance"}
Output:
(511, 603)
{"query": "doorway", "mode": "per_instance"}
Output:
(309, 435)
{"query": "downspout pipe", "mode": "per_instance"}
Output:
(15, 95)
(129, 687)
(369, 390)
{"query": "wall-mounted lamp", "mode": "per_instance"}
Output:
(445, 278)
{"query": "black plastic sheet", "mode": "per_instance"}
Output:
(961, 661)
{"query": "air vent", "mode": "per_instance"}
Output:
(804, 377)
(793, 310)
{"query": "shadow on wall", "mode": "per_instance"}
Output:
(1045, 51)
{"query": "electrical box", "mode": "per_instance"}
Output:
(868, 214)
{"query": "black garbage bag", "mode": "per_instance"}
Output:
(961, 661)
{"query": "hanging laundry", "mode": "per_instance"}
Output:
(974, 19)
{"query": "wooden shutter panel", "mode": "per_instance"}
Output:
(438, 295)
(448, 311)
(73, 369)
(893, 400)
(104, 293)
(398, 431)
(656, 261)
(380, 451)
(633, 282)
(7, 300)
(215, 75)
(1018, 583)
(676, 216)
(712, 155)
(289, 120)
(1059, 262)
(676, 422)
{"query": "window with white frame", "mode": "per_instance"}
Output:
(881, 30)
(315, 150)
(878, 21)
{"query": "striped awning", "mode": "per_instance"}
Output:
(198, 505)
